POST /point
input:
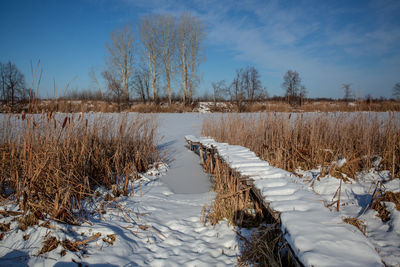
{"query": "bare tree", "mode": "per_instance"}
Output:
(292, 86)
(347, 92)
(218, 89)
(3, 82)
(148, 37)
(12, 83)
(246, 86)
(396, 91)
(237, 90)
(114, 87)
(302, 94)
(121, 56)
(141, 83)
(191, 33)
(166, 36)
(254, 85)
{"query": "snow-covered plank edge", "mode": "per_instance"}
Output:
(317, 235)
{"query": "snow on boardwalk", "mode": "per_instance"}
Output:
(317, 235)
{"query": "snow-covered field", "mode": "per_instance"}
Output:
(159, 224)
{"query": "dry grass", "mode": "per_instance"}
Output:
(264, 248)
(50, 164)
(162, 108)
(323, 106)
(233, 201)
(357, 106)
(73, 106)
(85, 105)
(290, 141)
(380, 206)
(49, 244)
(357, 223)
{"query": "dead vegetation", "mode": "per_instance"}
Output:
(4, 227)
(51, 243)
(28, 220)
(51, 163)
(357, 223)
(233, 201)
(380, 206)
(343, 143)
(265, 248)
(107, 106)
(162, 108)
(325, 106)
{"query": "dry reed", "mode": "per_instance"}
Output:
(49, 163)
(308, 141)
(264, 248)
(233, 201)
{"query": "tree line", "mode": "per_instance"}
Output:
(153, 55)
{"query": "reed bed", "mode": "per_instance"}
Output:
(340, 144)
(49, 163)
(324, 106)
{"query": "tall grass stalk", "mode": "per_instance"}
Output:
(307, 141)
(50, 163)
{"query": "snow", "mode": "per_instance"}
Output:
(355, 198)
(318, 236)
(185, 175)
(159, 225)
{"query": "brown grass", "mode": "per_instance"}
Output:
(162, 108)
(27, 220)
(323, 106)
(290, 141)
(86, 105)
(264, 248)
(233, 201)
(380, 206)
(357, 223)
(49, 244)
(51, 163)
(4, 227)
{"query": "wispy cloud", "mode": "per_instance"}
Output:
(327, 42)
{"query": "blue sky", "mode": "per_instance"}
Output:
(328, 42)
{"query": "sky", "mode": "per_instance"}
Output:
(329, 43)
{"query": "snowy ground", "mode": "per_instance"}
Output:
(160, 225)
(355, 198)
